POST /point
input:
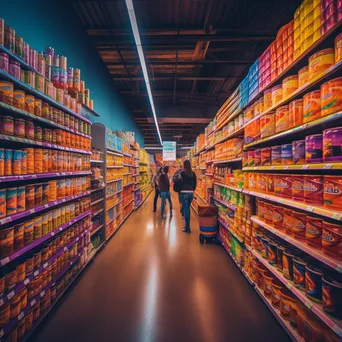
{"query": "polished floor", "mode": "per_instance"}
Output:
(152, 282)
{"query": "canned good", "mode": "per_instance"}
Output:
(288, 264)
(2, 162)
(286, 154)
(295, 113)
(265, 156)
(333, 192)
(19, 236)
(312, 106)
(332, 295)
(19, 128)
(6, 242)
(19, 99)
(321, 61)
(332, 142)
(29, 103)
(30, 196)
(299, 266)
(16, 164)
(38, 133)
(29, 160)
(313, 189)
(313, 283)
(38, 107)
(303, 76)
(7, 125)
(290, 85)
(313, 148)
(28, 236)
(38, 160)
(332, 239)
(277, 94)
(29, 129)
(38, 194)
(6, 92)
(21, 200)
(11, 201)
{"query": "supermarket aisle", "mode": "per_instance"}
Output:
(154, 283)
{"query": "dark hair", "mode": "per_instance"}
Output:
(166, 169)
(187, 168)
(160, 170)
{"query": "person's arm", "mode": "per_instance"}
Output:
(195, 181)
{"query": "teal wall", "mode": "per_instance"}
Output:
(54, 23)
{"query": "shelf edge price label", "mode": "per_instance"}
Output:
(26, 281)
(21, 316)
(310, 208)
(46, 265)
(33, 302)
(305, 167)
(327, 166)
(308, 305)
(336, 216)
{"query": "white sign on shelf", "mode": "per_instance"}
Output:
(169, 150)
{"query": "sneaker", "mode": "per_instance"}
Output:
(186, 230)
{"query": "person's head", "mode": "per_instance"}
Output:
(187, 167)
(166, 169)
(160, 170)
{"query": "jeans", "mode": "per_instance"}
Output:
(186, 198)
(164, 196)
(156, 195)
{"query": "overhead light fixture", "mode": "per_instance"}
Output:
(134, 24)
(153, 148)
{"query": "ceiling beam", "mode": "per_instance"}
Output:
(182, 120)
(184, 63)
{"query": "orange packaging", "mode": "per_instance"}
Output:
(313, 231)
(268, 210)
(29, 103)
(312, 106)
(45, 160)
(267, 99)
(262, 183)
(38, 160)
(277, 94)
(270, 183)
(282, 119)
(252, 131)
(267, 125)
(321, 61)
(19, 99)
(338, 48)
(265, 156)
(52, 190)
(288, 221)
(38, 107)
(333, 192)
(303, 76)
(313, 189)
(332, 239)
(331, 96)
(295, 113)
(29, 160)
(298, 187)
(278, 216)
(6, 92)
(290, 85)
(298, 224)
(283, 185)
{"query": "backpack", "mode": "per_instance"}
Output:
(177, 185)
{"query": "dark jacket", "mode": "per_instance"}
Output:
(188, 182)
(164, 183)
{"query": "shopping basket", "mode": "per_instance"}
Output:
(207, 222)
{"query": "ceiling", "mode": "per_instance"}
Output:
(196, 51)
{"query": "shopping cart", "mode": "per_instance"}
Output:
(207, 223)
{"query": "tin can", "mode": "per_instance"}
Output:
(268, 211)
(313, 283)
(332, 142)
(38, 133)
(267, 125)
(6, 92)
(313, 231)
(290, 85)
(312, 106)
(29, 129)
(19, 128)
(288, 264)
(45, 193)
(21, 200)
(298, 224)
(321, 61)
(52, 190)
(313, 148)
(29, 103)
(28, 235)
(8, 168)
(299, 266)
(7, 125)
(338, 48)
(38, 107)
(298, 187)
(23, 163)
(11, 201)
(257, 157)
(19, 99)
(283, 185)
(276, 155)
(333, 192)
(313, 189)
(30, 194)
(38, 195)
(38, 160)
(45, 160)
(29, 160)
(9, 38)
(286, 154)
(4, 61)
(3, 211)
(265, 156)
(277, 94)
(6, 242)
(331, 94)
(298, 151)
(332, 295)
(60, 188)
(14, 69)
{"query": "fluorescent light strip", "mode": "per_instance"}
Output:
(134, 24)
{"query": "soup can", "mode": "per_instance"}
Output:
(278, 216)
(3, 211)
(6, 242)
(29, 159)
(331, 96)
(277, 94)
(332, 144)
(19, 236)
(299, 267)
(38, 194)
(290, 85)
(21, 199)
(23, 162)
(332, 240)
(37, 231)
(29, 103)
(296, 113)
(332, 295)
(6, 92)
(321, 61)
(2, 162)
(8, 156)
(282, 119)
(313, 148)
(313, 231)
(313, 189)
(30, 191)
(7, 125)
(313, 283)
(288, 221)
(267, 125)
(28, 233)
(38, 160)
(298, 224)
(312, 106)
(11, 201)
(29, 129)
(288, 264)
(16, 164)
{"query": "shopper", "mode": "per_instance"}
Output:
(188, 184)
(164, 188)
(155, 184)
(175, 178)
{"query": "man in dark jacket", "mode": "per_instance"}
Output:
(155, 184)
(164, 188)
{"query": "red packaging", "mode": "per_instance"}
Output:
(313, 189)
(298, 224)
(313, 231)
(298, 187)
(332, 239)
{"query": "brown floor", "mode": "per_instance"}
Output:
(152, 282)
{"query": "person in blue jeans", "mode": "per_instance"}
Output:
(164, 188)
(188, 183)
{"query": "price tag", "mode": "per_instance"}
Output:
(36, 273)
(5, 261)
(55, 202)
(336, 216)
(20, 316)
(42, 293)
(305, 167)
(10, 295)
(71, 263)
(32, 211)
(60, 229)
(339, 268)
(1, 302)
(46, 265)
(34, 176)
(26, 281)
(310, 208)
(308, 305)
(21, 177)
(52, 233)
(1, 332)
(289, 286)
(286, 167)
(65, 249)
(77, 239)
(46, 206)
(33, 302)
(327, 166)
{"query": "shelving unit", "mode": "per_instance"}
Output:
(238, 183)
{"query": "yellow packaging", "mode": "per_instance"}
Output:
(321, 61)
(290, 85)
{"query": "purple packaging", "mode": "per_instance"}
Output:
(332, 144)
(286, 154)
(276, 155)
(257, 157)
(298, 151)
(313, 148)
